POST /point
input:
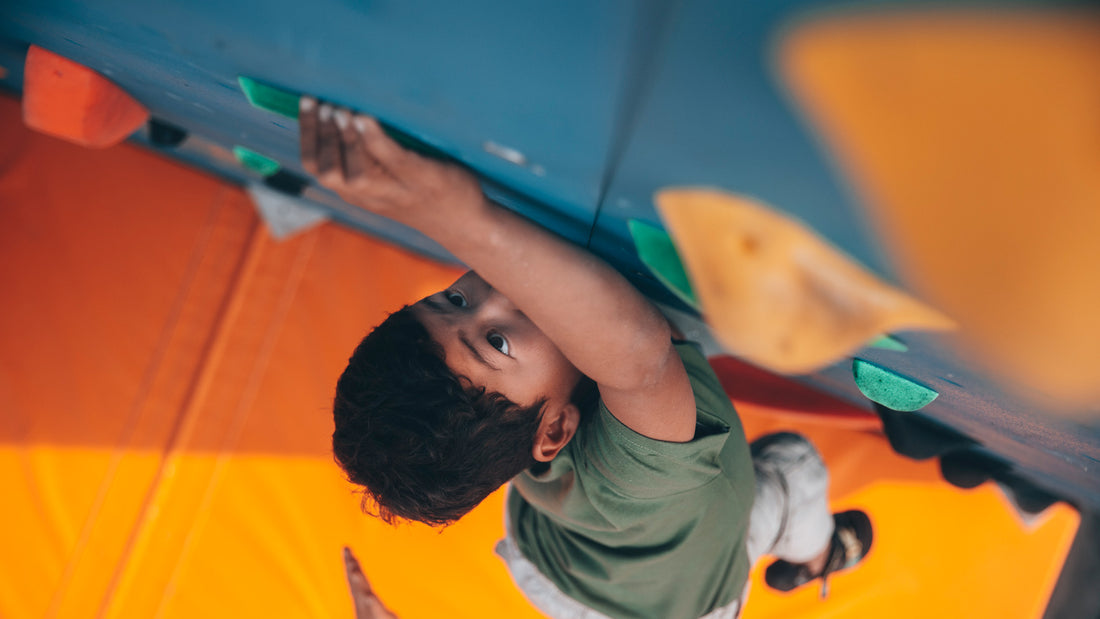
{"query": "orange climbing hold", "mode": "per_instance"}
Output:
(67, 100)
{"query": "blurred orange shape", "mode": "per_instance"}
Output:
(973, 139)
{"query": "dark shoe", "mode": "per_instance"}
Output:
(851, 541)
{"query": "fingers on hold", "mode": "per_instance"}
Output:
(364, 124)
(307, 126)
(379, 145)
(328, 146)
(343, 122)
(357, 163)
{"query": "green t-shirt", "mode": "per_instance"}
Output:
(635, 527)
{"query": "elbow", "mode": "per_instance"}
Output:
(649, 363)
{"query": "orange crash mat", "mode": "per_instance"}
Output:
(165, 381)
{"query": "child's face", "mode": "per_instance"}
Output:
(489, 341)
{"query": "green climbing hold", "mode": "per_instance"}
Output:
(285, 103)
(889, 342)
(269, 98)
(264, 166)
(890, 389)
(658, 252)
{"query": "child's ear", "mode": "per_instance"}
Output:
(557, 427)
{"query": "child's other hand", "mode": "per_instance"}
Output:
(350, 154)
(367, 604)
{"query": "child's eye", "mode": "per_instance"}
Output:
(498, 342)
(456, 299)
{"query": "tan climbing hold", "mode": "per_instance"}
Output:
(773, 291)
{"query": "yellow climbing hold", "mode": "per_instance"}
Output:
(773, 291)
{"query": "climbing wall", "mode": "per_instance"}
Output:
(943, 152)
(165, 380)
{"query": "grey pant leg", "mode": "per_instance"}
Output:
(790, 515)
(538, 589)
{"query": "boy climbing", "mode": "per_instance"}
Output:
(633, 490)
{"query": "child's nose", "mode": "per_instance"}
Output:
(496, 305)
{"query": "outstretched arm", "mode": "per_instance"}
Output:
(608, 330)
(367, 604)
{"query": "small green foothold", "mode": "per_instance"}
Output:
(269, 98)
(889, 342)
(264, 166)
(889, 388)
(658, 252)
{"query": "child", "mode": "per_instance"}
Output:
(632, 482)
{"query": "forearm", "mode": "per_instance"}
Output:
(599, 321)
(591, 313)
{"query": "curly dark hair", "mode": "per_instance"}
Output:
(425, 444)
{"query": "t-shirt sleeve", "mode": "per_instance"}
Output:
(640, 467)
